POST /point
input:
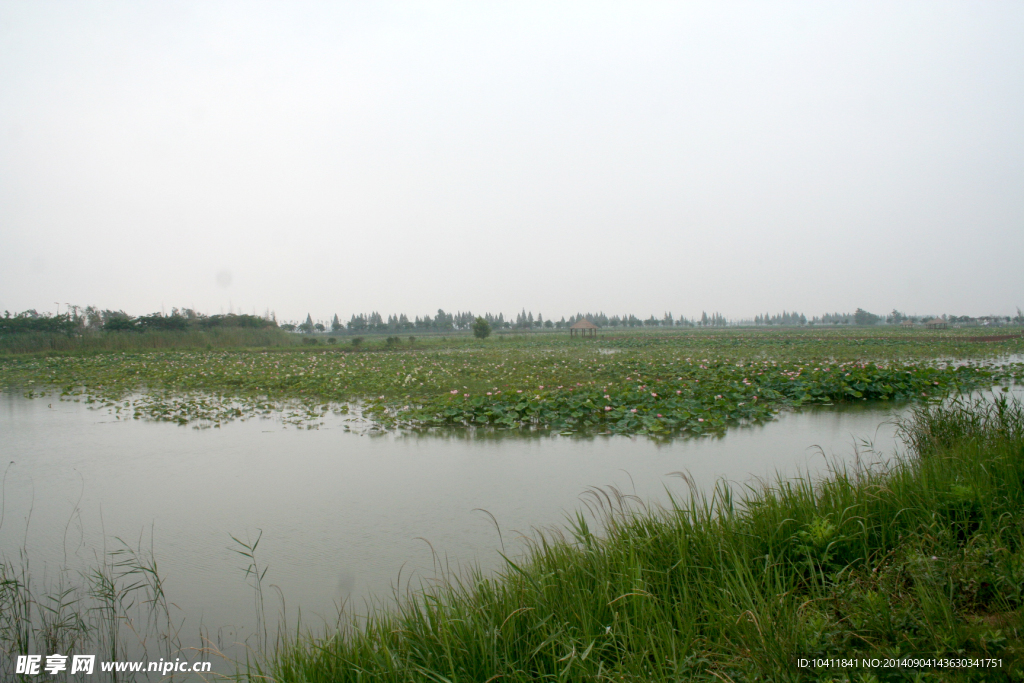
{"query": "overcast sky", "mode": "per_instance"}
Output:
(562, 157)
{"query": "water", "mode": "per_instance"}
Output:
(342, 514)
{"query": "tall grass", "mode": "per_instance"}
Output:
(117, 611)
(229, 337)
(922, 557)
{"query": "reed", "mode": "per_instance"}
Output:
(116, 610)
(216, 338)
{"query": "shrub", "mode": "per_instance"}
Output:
(481, 329)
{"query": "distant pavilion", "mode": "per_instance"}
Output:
(936, 324)
(583, 328)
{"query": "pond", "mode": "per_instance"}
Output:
(343, 515)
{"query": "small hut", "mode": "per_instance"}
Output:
(906, 324)
(583, 328)
(936, 324)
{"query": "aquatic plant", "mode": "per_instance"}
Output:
(662, 385)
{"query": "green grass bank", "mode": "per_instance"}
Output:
(921, 559)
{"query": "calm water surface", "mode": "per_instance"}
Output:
(341, 514)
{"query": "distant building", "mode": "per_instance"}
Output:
(583, 328)
(936, 324)
(907, 323)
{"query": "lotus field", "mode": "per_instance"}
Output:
(670, 384)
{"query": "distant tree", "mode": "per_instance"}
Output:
(336, 325)
(231, 320)
(862, 317)
(93, 318)
(307, 326)
(32, 321)
(444, 321)
(319, 327)
(357, 323)
(117, 321)
(158, 321)
(481, 328)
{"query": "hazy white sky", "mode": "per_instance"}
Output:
(400, 157)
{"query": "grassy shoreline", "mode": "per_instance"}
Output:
(925, 559)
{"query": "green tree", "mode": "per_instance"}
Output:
(481, 329)
(862, 317)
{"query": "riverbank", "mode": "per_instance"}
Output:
(923, 560)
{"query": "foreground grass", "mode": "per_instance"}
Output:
(925, 559)
(676, 383)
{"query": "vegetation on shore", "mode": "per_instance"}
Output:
(921, 559)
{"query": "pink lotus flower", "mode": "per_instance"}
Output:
(654, 394)
(659, 414)
(488, 393)
(633, 410)
(519, 391)
(700, 419)
(454, 391)
(607, 408)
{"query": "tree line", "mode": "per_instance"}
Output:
(80, 320)
(91, 319)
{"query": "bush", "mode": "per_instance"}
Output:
(309, 341)
(481, 329)
(332, 340)
(356, 341)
